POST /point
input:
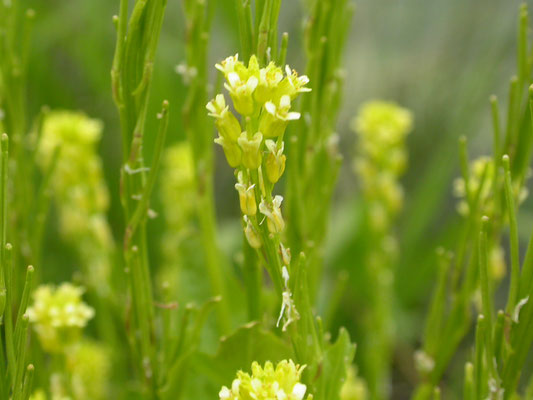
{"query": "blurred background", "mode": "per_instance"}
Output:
(440, 59)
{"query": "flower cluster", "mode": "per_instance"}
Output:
(267, 383)
(78, 186)
(382, 158)
(254, 146)
(58, 315)
(353, 388)
(262, 96)
(177, 191)
(178, 201)
(89, 368)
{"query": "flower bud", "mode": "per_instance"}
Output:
(231, 150)
(254, 240)
(246, 197)
(228, 126)
(251, 150)
(275, 118)
(275, 221)
(275, 162)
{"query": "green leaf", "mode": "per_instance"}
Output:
(328, 375)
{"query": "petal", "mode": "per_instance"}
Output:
(299, 390)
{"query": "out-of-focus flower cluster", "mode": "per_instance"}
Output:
(58, 316)
(78, 186)
(381, 158)
(86, 375)
(178, 201)
(89, 367)
(281, 382)
(353, 388)
(177, 192)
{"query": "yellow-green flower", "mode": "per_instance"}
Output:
(241, 92)
(275, 162)
(58, 315)
(383, 124)
(228, 126)
(292, 84)
(246, 196)
(79, 189)
(269, 79)
(381, 158)
(252, 236)
(281, 382)
(251, 150)
(232, 151)
(275, 117)
(272, 212)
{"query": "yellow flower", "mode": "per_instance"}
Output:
(246, 196)
(251, 150)
(275, 118)
(241, 92)
(232, 64)
(225, 121)
(269, 79)
(272, 212)
(58, 315)
(268, 383)
(232, 151)
(382, 124)
(254, 240)
(293, 84)
(275, 162)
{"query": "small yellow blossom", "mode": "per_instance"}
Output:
(228, 126)
(58, 315)
(281, 382)
(293, 84)
(269, 79)
(232, 64)
(275, 162)
(275, 118)
(251, 150)
(246, 196)
(232, 151)
(272, 212)
(241, 92)
(252, 236)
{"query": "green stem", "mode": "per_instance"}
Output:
(515, 252)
